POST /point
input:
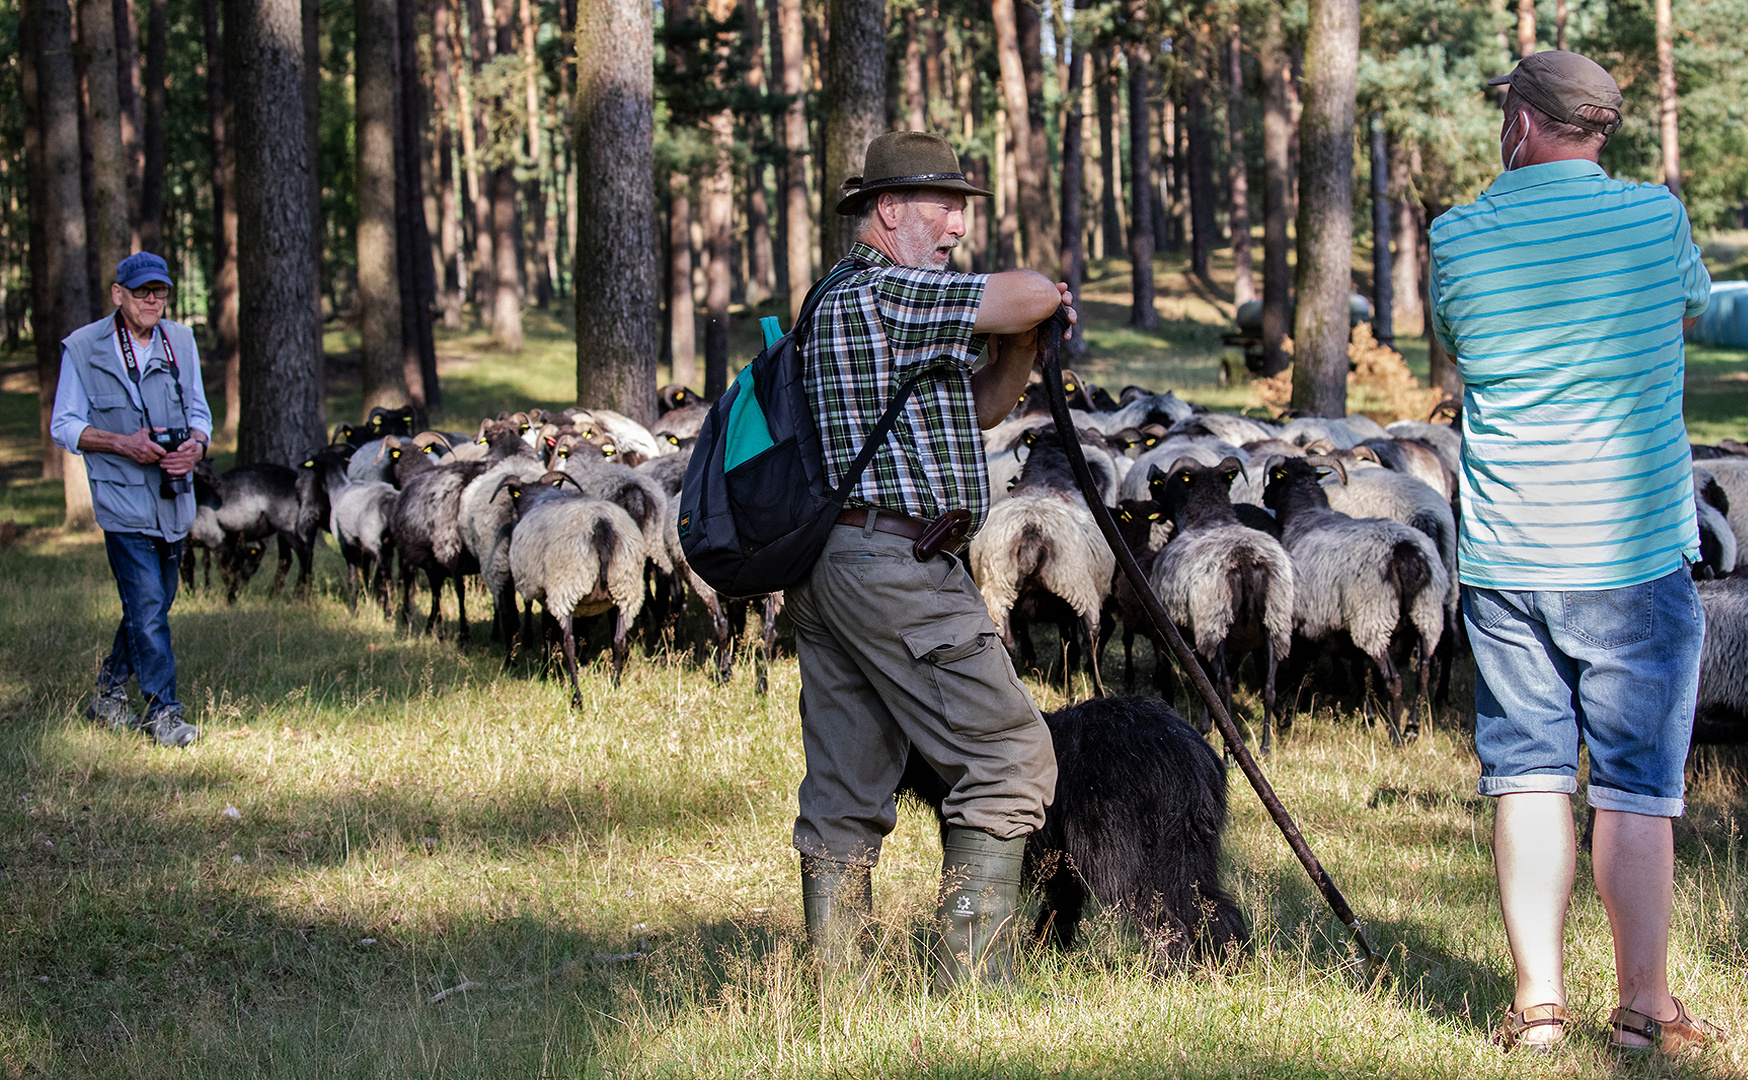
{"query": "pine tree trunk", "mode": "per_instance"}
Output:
(617, 283)
(534, 191)
(1406, 316)
(1037, 206)
(114, 238)
(506, 232)
(1141, 310)
(1110, 168)
(1200, 144)
(854, 107)
(485, 265)
(130, 95)
(222, 301)
(1442, 370)
(1666, 100)
(60, 287)
(1560, 25)
(1276, 135)
(152, 178)
(418, 276)
(276, 237)
(761, 273)
(797, 215)
(448, 205)
(682, 316)
(716, 198)
(1526, 28)
(1326, 132)
(1073, 238)
(1238, 171)
(1007, 189)
(1383, 281)
(916, 106)
(377, 234)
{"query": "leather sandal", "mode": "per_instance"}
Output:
(1551, 1014)
(1676, 1036)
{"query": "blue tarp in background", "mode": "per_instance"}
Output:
(1725, 321)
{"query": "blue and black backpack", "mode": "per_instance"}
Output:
(755, 509)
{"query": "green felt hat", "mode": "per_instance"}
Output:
(900, 160)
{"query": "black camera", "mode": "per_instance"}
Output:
(171, 486)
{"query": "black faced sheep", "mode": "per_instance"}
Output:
(1136, 826)
(1230, 586)
(1377, 583)
(427, 532)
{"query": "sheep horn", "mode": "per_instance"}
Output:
(557, 476)
(1185, 462)
(428, 438)
(1365, 453)
(1319, 460)
(1228, 463)
(1320, 448)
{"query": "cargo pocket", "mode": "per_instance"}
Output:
(1610, 618)
(975, 690)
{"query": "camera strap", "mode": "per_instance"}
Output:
(126, 337)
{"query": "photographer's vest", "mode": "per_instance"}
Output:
(124, 494)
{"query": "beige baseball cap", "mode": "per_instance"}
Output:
(1559, 83)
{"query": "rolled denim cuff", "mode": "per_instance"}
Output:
(1607, 798)
(1556, 783)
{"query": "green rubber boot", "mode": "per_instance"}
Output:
(837, 900)
(980, 899)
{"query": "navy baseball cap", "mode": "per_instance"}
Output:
(141, 267)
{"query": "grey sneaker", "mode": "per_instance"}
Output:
(109, 706)
(168, 727)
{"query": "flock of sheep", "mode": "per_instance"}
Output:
(1325, 548)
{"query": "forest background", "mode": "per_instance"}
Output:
(395, 165)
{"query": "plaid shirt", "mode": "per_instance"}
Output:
(875, 329)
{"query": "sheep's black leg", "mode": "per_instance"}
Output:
(206, 566)
(435, 578)
(1268, 696)
(1392, 680)
(1064, 899)
(621, 645)
(570, 658)
(405, 617)
(284, 566)
(384, 577)
(767, 642)
(719, 632)
(304, 574)
(1128, 660)
(186, 566)
(1445, 655)
(465, 633)
(354, 572)
(1423, 657)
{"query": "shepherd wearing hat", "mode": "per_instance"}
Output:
(1563, 294)
(131, 401)
(896, 645)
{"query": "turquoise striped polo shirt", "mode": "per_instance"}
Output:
(1560, 292)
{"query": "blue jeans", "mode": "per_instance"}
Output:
(1618, 668)
(145, 569)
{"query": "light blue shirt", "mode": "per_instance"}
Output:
(1560, 292)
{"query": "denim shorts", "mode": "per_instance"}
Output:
(1618, 668)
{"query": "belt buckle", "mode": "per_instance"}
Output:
(946, 533)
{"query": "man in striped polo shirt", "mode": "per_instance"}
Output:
(1563, 295)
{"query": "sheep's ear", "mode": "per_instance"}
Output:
(1154, 475)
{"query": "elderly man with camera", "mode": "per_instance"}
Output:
(130, 400)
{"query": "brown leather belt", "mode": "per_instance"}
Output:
(886, 521)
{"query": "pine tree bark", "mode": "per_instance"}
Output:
(130, 94)
(448, 205)
(854, 107)
(716, 194)
(1141, 310)
(114, 238)
(507, 287)
(1037, 219)
(152, 177)
(761, 279)
(60, 288)
(1110, 169)
(1406, 316)
(1560, 25)
(376, 235)
(1666, 99)
(1073, 239)
(1199, 140)
(222, 300)
(413, 244)
(276, 238)
(1276, 149)
(1238, 170)
(1526, 28)
(617, 282)
(1383, 281)
(797, 215)
(485, 266)
(1442, 369)
(1007, 191)
(1043, 239)
(1326, 133)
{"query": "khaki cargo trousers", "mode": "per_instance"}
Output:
(894, 654)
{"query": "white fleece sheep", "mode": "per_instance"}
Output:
(580, 556)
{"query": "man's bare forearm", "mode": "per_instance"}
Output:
(996, 389)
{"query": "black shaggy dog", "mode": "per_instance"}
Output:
(1140, 806)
